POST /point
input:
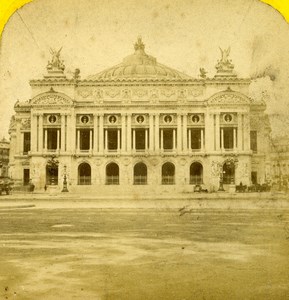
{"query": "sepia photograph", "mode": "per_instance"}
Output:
(144, 151)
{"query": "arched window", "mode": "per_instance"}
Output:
(196, 173)
(140, 174)
(112, 173)
(229, 173)
(84, 174)
(168, 173)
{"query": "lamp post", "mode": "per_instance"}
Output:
(64, 190)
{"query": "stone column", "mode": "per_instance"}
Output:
(90, 140)
(222, 139)
(106, 141)
(185, 142)
(162, 140)
(78, 140)
(118, 140)
(240, 133)
(33, 132)
(40, 132)
(157, 138)
(179, 133)
(174, 139)
(133, 139)
(209, 131)
(19, 147)
(217, 132)
(62, 132)
(45, 140)
(202, 139)
(21, 144)
(123, 133)
(151, 132)
(190, 139)
(100, 135)
(146, 139)
(71, 133)
(246, 132)
(235, 138)
(95, 133)
(128, 133)
(58, 140)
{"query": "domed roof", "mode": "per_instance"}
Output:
(139, 66)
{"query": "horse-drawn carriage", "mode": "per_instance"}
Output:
(6, 184)
(253, 188)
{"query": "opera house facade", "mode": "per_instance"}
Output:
(139, 126)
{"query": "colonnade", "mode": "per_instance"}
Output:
(68, 133)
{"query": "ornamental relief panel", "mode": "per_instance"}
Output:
(154, 94)
(25, 123)
(140, 119)
(196, 119)
(84, 119)
(244, 170)
(255, 122)
(228, 118)
(168, 119)
(85, 92)
(98, 94)
(140, 93)
(195, 92)
(51, 100)
(51, 119)
(182, 94)
(126, 94)
(168, 93)
(112, 119)
(112, 93)
(228, 99)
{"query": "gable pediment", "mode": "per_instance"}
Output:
(52, 98)
(229, 98)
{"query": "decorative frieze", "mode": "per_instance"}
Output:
(51, 99)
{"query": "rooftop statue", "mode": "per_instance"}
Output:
(225, 54)
(224, 66)
(56, 62)
(139, 45)
(203, 73)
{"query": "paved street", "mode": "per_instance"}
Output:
(94, 253)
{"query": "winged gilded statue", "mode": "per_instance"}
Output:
(225, 54)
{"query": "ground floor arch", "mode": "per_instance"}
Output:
(112, 173)
(51, 175)
(196, 173)
(168, 173)
(84, 174)
(228, 172)
(140, 174)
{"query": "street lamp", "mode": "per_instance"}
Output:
(64, 190)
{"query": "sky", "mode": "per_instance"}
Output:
(183, 34)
